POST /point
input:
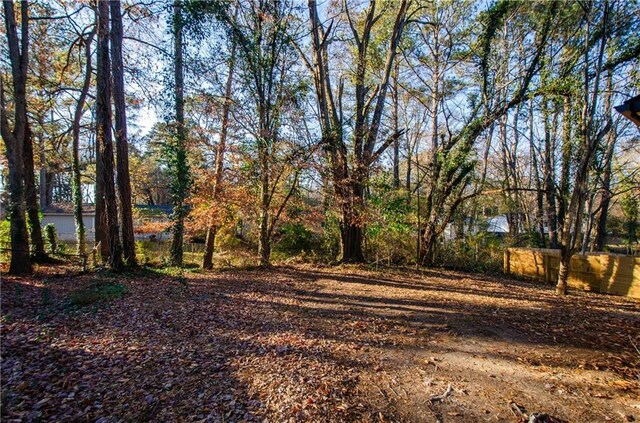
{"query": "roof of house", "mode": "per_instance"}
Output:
(630, 109)
(67, 208)
(90, 209)
(498, 224)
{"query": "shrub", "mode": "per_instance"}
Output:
(294, 238)
(390, 230)
(97, 292)
(482, 252)
(51, 237)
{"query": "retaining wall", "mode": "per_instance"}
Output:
(599, 272)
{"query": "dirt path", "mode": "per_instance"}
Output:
(311, 344)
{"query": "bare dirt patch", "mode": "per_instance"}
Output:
(314, 344)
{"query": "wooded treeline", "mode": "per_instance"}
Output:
(344, 130)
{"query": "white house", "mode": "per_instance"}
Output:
(496, 225)
(61, 216)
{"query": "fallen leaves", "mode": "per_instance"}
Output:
(282, 344)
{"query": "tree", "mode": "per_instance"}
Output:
(350, 171)
(451, 167)
(588, 139)
(14, 140)
(262, 33)
(109, 234)
(124, 184)
(433, 54)
(75, 159)
(212, 230)
(31, 197)
(600, 236)
(175, 149)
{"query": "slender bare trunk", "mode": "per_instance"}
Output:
(536, 176)
(100, 219)
(207, 261)
(567, 153)
(396, 128)
(429, 235)
(75, 163)
(43, 174)
(407, 183)
(33, 211)
(586, 235)
(605, 199)
(264, 242)
(549, 184)
(209, 246)
(605, 190)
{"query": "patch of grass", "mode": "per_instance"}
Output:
(97, 292)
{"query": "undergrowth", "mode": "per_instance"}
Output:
(96, 293)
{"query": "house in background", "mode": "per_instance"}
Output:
(60, 215)
(149, 222)
(497, 226)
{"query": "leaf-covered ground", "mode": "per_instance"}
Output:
(312, 344)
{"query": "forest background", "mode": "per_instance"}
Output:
(389, 132)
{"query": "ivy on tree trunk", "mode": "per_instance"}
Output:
(14, 140)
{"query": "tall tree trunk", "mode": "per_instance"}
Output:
(567, 154)
(209, 246)
(180, 159)
(351, 242)
(351, 235)
(100, 219)
(522, 218)
(43, 174)
(429, 236)
(76, 181)
(396, 128)
(563, 271)
(600, 237)
(122, 148)
(104, 140)
(49, 182)
(15, 140)
(549, 184)
(536, 176)
(407, 182)
(264, 242)
(207, 261)
(428, 246)
(586, 235)
(33, 211)
(573, 219)
(508, 187)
